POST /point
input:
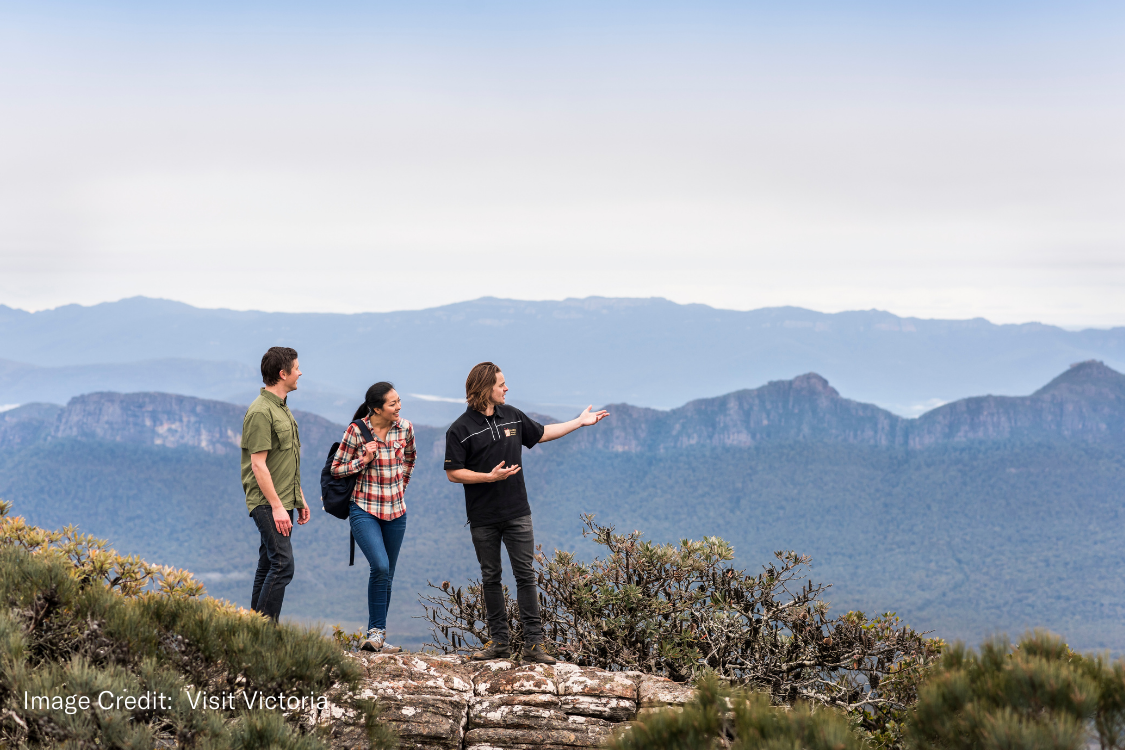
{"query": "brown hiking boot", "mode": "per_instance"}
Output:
(492, 650)
(537, 654)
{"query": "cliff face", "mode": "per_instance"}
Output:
(803, 409)
(161, 419)
(26, 424)
(154, 419)
(1085, 403)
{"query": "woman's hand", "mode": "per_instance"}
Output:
(369, 453)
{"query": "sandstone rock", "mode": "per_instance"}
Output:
(575, 735)
(517, 717)
(430, 720)
(398, 674)
(449, 702)
(660, 691)
(544, 713)
(613, 709)
(493, 702)
(574, 680)
(537, 678)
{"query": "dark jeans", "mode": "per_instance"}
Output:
(519, 538)
(380, 541)
(275, 564)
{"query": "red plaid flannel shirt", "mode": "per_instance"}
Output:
(380, 486)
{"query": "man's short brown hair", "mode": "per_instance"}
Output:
(276, 359)
(478, 386)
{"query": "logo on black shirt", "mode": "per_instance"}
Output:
(509, 432)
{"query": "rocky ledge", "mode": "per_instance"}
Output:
(448, 702)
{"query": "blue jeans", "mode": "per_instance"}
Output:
(380, 541)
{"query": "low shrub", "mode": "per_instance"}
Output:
(1039, 695)
(682, 611)
(738, 720)
(80, 621)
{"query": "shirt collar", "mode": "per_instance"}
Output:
(271, 396)
(479, 417)
(394, 426)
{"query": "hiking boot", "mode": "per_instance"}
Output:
(492, 650)
(536, 654)
(389, 649)
(374, 641)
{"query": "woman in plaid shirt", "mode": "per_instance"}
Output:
(378, 514)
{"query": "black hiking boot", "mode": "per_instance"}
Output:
(492, 650)
(536, 654)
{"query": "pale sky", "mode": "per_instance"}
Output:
(954, 160)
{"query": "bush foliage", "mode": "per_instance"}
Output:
(682, 611)
(739, 720)
(78, 619)
(1039, 694)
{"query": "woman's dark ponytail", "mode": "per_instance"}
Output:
(376, 398)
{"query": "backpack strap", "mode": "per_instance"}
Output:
(363, 430)
(351, 537)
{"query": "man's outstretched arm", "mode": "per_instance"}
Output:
(585, 419)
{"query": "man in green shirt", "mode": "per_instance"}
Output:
(271, 477)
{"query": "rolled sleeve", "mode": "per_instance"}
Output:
(349, 456)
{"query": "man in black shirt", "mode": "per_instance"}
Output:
(484, 452)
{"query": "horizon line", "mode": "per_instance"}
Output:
(1069, 328)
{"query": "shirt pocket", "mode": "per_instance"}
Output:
(284, 435)
(396, 463)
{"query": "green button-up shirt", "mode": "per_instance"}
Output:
(270, 426)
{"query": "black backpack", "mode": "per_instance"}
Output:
(336, 492)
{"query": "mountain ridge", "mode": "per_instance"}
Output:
(558, 355)
(963, 536)
(1087, 402)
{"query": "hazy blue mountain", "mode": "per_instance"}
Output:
(23, 383)
(226, 381)
(558, 356)
(1007, 513)
(1087, 403)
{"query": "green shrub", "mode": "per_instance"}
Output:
(1038, 695)
(1108, 679)
(80, 620)
(682, 610)
(721, 717)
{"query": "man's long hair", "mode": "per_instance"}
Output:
(478, 386)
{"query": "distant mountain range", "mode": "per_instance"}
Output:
(1085, 403)
(986, 514)
(558, 356)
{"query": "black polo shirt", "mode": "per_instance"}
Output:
(478, 443)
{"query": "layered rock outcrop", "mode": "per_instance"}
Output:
(446, 702)
(152, 419)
